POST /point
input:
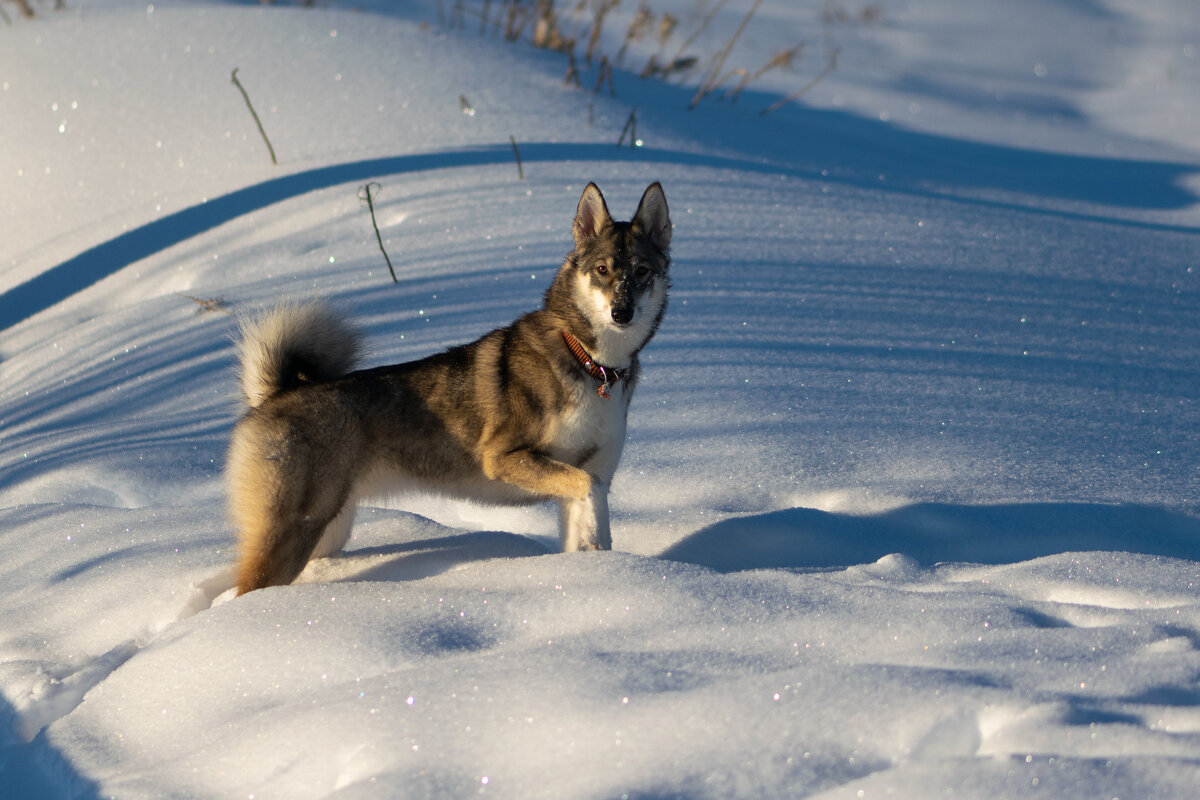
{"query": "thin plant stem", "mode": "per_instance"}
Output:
(781, 103)
(254, 114)
(704, 24)
(375, 225)
(631, 127)
(707, 85)
(517, 154)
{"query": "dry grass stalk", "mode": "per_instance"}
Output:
(572, 75)
(545, 30)
(641, 24)
(679, 65)
(631, 129)
(254, 114)
(514, 22)
(666, 29)
(602, 74)
(707, 85)
(208, 305)
(781, 60)
(836, 12)
(375, 225)
(830, 67)
(602, 10)
(517, 155)
(678, 57)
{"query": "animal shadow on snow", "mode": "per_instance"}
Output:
(424, 558)
(933, 533)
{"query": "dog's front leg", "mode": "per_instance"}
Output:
(583, 500)
(538, 474)
(583, 524)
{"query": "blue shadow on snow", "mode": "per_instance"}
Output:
(36, 770)
(916, 162)
(800, 538)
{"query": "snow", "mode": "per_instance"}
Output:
(909, 499)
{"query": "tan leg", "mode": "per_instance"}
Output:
(583, 524)
(538, 474)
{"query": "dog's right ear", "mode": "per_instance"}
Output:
(591, 216)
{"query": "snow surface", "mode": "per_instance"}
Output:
(909, 502)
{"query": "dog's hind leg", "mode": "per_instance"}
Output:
(277, 553)
(583, 524)
(337, 532)
(282, 502)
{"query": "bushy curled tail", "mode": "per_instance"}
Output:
(293, 345)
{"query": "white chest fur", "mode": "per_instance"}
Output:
(593, 428)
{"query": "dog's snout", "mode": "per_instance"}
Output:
(622, 315)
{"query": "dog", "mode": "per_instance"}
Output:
(529, 413)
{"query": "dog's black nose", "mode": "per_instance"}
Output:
(622, 316)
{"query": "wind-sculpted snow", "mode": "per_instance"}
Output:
(423, 663)
(908, 502)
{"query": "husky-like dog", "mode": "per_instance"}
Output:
(532, 412)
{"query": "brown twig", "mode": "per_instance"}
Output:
(517, 154)
(254, 114)
(572, 75)
(378, 237)
(206, 306)
(604, 72)
(631, 127)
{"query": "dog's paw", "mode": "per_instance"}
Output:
(591, 546)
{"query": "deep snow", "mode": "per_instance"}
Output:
(908, 504)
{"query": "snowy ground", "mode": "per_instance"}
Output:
(909, 502)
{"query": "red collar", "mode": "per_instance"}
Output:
(605, 376)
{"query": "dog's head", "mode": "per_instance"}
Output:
(620, 269)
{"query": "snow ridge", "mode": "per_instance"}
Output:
(908, 501)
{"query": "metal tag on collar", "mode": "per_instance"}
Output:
(602, 389)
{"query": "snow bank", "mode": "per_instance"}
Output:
(909, 499)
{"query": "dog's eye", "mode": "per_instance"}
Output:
(602, 269)
(641, 273)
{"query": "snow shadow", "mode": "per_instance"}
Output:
(37, 769)
(916, 164)
(424, 558)
(107, 258)
(802, 538)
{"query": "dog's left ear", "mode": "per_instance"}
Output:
(652, 217)
(591, 216)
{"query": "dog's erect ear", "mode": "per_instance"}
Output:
(652, 217)
(592, 215)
